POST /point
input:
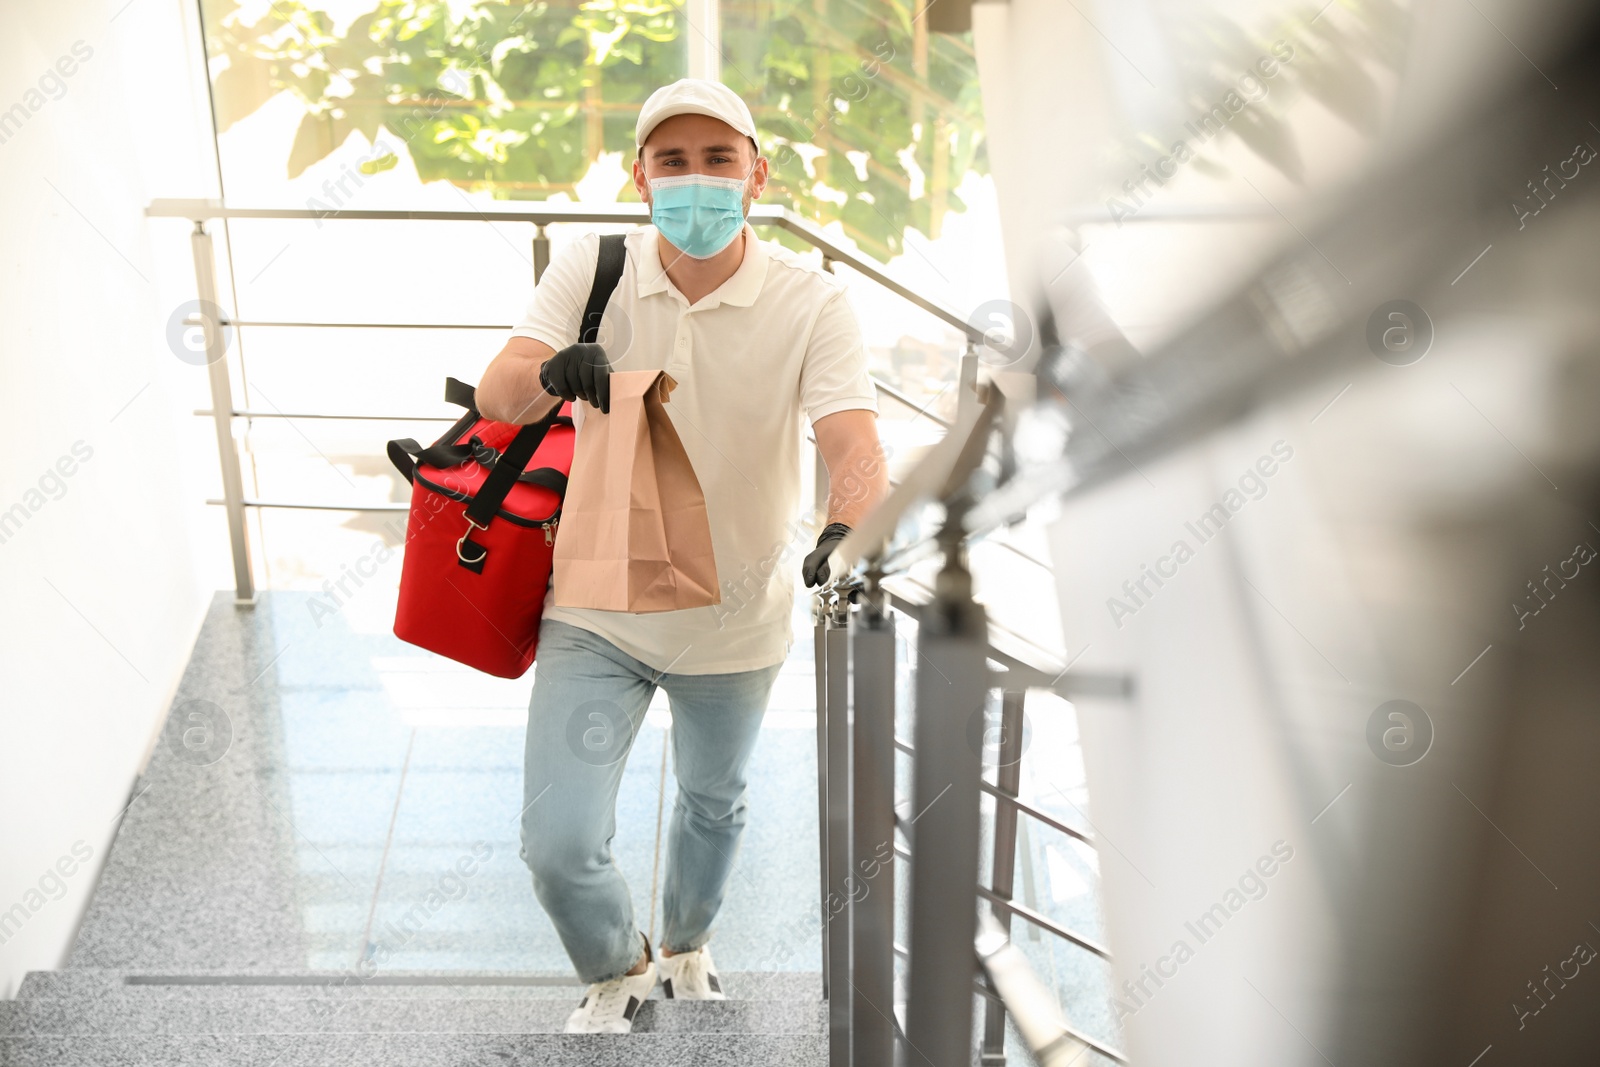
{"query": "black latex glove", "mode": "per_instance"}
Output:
(815, 568)
(579, 372)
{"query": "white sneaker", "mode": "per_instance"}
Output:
(609, 1007)
(691, 976)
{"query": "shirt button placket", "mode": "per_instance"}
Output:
(680, 352)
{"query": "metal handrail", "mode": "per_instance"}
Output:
(1012, 800)
(855, 675)
(227, 321)
(310, 505)
(244, 413)
(1034, 918)
(543, 214)
(1052, 1041)
(883, 387)
(984, 985)
(1256, 344)
(1027, 664)
(253, 502)
(962, 662)
(900, 398)
(540, 215)
(1035, 813)
(1043, 922)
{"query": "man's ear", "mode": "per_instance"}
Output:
(760, 173)
(641, 184)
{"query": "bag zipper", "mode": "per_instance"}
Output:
(547, 523)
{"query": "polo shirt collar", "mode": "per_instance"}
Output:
(740, 290)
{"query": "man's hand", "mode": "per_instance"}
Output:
(579, 372)
(815, 568)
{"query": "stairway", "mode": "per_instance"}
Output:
(356, 799)
(95, 1016)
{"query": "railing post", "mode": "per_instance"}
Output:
(967, 380)
(541, 252)
(819, 494)
(205, 280)
(820, 613)
(872, 703)
(836, 898)
(952, 682)
(1008, 779)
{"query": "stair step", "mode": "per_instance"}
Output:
(325, 1015)
(419, 1050)
(88, 983)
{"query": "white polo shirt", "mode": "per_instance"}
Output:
(777, 341)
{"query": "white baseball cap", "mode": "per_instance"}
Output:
(694, 96)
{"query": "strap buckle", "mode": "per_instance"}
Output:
(462, 556)
(461, 545)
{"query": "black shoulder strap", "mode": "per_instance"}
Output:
(460, 393)
(607, 271)
(486, 504)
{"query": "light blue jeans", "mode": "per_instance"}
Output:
(589, 700)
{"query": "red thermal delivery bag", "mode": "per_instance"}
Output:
(473, 581)
(485, 504)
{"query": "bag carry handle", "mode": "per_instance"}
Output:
(405, 453)
(486, 504)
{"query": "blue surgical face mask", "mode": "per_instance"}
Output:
(698, 213)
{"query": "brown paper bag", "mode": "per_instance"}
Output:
(633, 534)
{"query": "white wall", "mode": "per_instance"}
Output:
(111, 556)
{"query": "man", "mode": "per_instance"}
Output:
(755, 337)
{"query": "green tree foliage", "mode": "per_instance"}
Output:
(867, 118)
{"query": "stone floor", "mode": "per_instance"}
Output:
(354, 771)
(319, 779)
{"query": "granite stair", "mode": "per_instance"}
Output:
(99, 1016)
